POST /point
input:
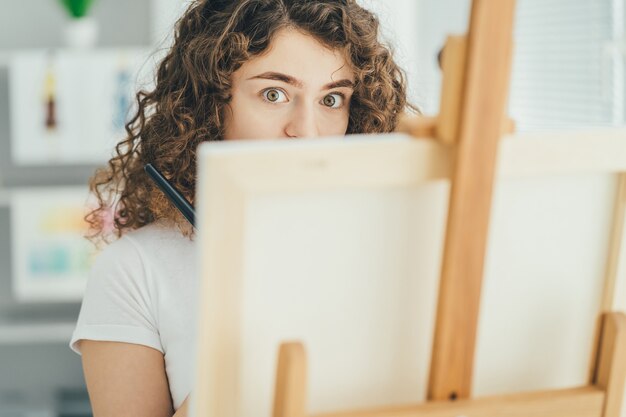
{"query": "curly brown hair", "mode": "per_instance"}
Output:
(212, 40)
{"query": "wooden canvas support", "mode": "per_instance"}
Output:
(426, 127)
(482, 116)
(602, 399)
(610, 372)
(614, 261)
(291, 381)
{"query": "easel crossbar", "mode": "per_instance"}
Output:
(522, 155)
(577, 402)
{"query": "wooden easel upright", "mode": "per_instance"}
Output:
(472, 120)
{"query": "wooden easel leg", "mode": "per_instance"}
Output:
(480, 121)
(611, 366)
(615, 263)
(291, 376)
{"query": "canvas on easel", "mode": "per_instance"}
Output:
(387, 228)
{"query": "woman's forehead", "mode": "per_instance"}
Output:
(300, 56)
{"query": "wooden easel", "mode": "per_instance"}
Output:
(472, 120)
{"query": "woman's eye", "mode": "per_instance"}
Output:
(274, 95)
(333, 101)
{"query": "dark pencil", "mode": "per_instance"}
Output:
(172, 194)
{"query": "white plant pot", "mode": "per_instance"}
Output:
(81, 33)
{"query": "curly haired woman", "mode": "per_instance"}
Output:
(238, 69)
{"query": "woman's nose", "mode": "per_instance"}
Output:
(302, 122)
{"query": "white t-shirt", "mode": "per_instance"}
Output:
(142, 289)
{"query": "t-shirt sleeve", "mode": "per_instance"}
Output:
(118, 302)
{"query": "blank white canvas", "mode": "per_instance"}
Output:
(543, 282)
(353, 273)
(341, 271)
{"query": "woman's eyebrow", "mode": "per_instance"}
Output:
(338, 84)
(277, 76)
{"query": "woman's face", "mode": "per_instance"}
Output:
(297, 88)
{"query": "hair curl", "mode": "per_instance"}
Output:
(193, 82)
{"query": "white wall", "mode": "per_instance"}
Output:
(418, 29)
(164, 15)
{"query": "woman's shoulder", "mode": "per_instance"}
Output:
(151, 243)
(158, 233)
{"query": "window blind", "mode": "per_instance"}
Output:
(567, 66)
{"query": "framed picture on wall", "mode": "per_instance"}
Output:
(70, 107)
(50, 253)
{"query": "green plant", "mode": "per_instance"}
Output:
(77, 8)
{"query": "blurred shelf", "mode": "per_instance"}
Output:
(35, 333)
(5, 58)
(5, 198)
